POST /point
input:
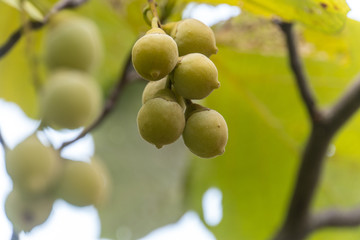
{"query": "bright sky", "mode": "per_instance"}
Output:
(72, 223)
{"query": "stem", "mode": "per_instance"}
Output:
(2, 142)
(110, 102)
(336, 218)
(15, 235)
(154, 12)
(299, 73)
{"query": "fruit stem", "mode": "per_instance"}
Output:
(155, 22)
(168, 83)
(188, 102)
(154, 12)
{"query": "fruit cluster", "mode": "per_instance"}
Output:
(175, 61)
(70, 99)
(40, 176)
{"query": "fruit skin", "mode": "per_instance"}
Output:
(193, 36)
(70, 99)
(26, 212)
(205, 133)
(32, 166)
(74, 43)
(195, 76)
(161, 119)
(153, 87)
(154, 55)
(82, 183)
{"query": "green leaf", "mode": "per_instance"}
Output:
(324, 15)
(28, 7)
(148, 183)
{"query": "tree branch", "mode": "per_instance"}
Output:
(110, 102)
(345, 107)
(299, 73)
(299, 222)
(35, 25)
(335, 218)
(2, 142)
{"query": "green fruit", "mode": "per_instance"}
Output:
(205, 133)
(154, 55)
(25, 212)
(195, 76)
(32, 166)
(193, 36)
(161, 119)
(153, 87)
(74, 43)
(70, 99)
(82, 183)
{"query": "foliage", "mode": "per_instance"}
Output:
(258, 98)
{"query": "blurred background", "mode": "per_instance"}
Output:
(169, 193)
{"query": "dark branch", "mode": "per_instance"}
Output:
(335, 218)
(345, 107)
(15, 235)
(2, 141)
(34, 25)
(299, 73)
(109, 104)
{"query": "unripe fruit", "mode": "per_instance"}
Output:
(70, 99)
(154, 55)
(82, 183)
(73, 43)
(193, 36)
(24, 212)
(32, 166)
(161, 119)
(205, 133)
(195, 76)
(153, 87)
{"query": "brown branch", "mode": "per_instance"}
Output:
(345, 107)
(110, 102)
(299, 221)
(2, 142)
(299, 73)
(335, 218)
(35, 25)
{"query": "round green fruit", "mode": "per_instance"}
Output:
(153, 87)
(161, 119)
(205, 133)
(82, 183)
(32, 166)
(24, 212)
(193, 36)
(195, 76)
(70, 99)
(154, 55)
(74, 43)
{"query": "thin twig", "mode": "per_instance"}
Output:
(2, 141)
(15, 235)
(335, 218)
(36, 25)
(110, 102)
(299, 73)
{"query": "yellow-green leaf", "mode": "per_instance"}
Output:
(28, 7)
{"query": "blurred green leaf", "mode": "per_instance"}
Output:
(148, 184)
(28, 7)
(324, 15)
